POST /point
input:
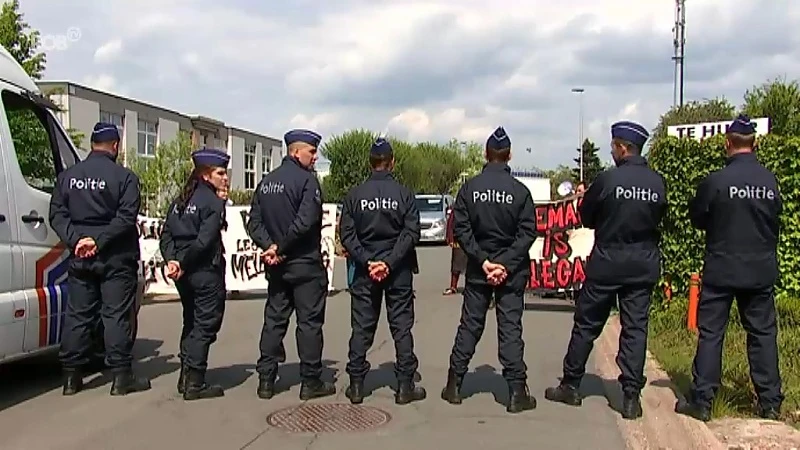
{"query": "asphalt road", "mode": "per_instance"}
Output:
(34, 415)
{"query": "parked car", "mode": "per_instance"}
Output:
(433, 210)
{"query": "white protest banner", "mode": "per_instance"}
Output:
(700, 131)
(244, 269)
(558, 259)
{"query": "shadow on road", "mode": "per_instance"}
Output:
(383, 376)
(557, 306)
(24, 380)
(485, 379)
(229, 377)
(289, 374)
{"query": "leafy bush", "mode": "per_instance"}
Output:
(425, 167)
(684, 163)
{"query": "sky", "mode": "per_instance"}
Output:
(428, 70)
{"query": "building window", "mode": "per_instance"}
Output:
(148, 136)
(249, 167)
(112, 118)
(266, 160)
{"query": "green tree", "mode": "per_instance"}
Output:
(778, 100)
(162, 176)
(21, 40)
(591, 162)
(349, 157)
(712, 110)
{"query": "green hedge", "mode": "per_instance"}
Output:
(684, 163)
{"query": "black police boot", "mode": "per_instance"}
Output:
(182, 380)
(126, 383)
(564, 393)
(355, 392)
(631, 407)
(521, 398)
(452, 391)
(73, 381)
(691, 409)
(316, 388)
(266, 387)
(769, 413)
(196, 387)
(407, 392)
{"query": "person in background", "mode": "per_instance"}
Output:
(458, 259)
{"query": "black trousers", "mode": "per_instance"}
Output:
(365, 310)
(591, 313)
(108, 289)
(510, 304)
(757, 313)
(307, 299)
(203, 299)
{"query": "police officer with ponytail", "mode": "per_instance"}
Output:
(191, 245)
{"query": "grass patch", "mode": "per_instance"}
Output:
(674, 347)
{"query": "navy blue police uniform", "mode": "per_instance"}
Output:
(286, 212)
(192, 237)
(380, 223)
(495, 221)
(739, 207)
(624, 206)
(98, 199)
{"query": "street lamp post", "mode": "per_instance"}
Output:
(580, 91)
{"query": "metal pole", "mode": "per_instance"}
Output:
(683, 45)
(580, 91)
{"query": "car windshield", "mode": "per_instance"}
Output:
(429, 204)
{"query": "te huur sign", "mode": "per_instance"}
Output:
(700, 131)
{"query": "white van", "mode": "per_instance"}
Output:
(34, 148)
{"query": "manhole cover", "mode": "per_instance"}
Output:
(328, 418)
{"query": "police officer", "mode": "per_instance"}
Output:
(495, 224)
(624, 206)
(286, 222)
(93, 210)
(191, 245)
(379, 229)
(738, 206)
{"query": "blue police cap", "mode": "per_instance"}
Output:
(105, 132)
(742, 125)
(210, 157)
(381, 147)
(498, 140)
(298, 135)
(631, 132)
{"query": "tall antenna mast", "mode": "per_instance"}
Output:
(679, 44)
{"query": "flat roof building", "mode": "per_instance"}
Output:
(144, 126)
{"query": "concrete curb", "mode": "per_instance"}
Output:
(660, 427)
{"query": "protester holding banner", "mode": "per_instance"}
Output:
(286, 222)
(624, 206)
(495, 224)
(191, 245)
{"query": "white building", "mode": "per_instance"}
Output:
(144, 126)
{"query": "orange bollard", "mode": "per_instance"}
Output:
(694, 299)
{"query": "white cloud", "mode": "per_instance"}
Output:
(108, 52)
(432, 69)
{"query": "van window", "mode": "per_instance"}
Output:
(42, 147)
